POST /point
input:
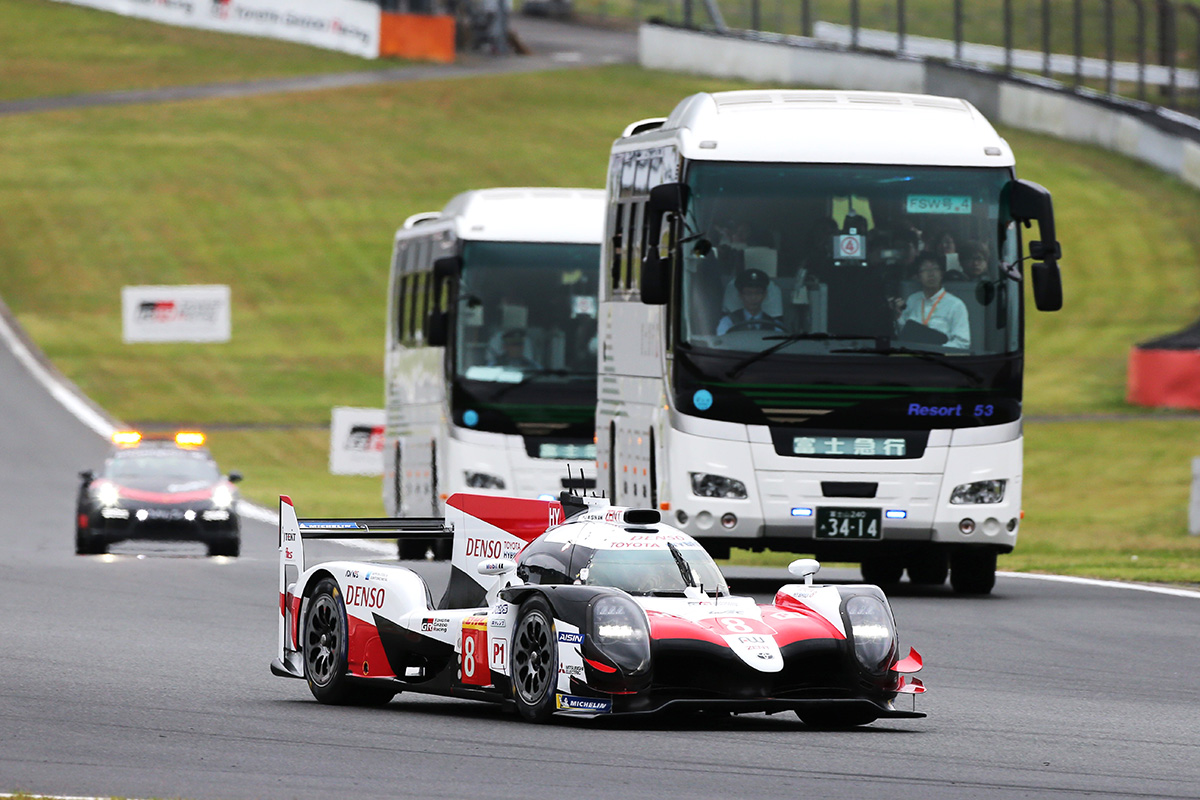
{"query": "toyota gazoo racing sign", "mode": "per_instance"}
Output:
(356, 441)
(176, 313)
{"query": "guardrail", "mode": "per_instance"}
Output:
(1143, 49)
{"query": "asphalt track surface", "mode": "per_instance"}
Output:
(145, 674)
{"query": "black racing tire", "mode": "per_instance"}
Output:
(830, 720)
(973, 570)
(929, 568)
(882, 571)
(87, 544)
(231, 547)
(533, 664)
(324, 639)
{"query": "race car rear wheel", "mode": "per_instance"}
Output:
(534, 666)
(325, 639)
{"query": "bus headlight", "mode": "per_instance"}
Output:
(873, 630)
(483, 480)
(705, 484)
(620, 630)
(978, 492)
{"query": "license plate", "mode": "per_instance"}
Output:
(849, 523)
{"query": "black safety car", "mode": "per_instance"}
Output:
(158, 487)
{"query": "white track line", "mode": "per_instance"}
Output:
(89, 417)
(1139, 587)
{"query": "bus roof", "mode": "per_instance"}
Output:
(834, 127)
(523, 215)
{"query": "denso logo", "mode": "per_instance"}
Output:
(485, 548)
(371, 597)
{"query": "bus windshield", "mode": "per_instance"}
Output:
(526, 312)
(848, 260)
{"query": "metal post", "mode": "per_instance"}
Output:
(1141, 47)
(687, 13)
(1047, 47)
(755, 16)
(853, 24)
(1194, 505)
(900, 32)
(806, 18)
(1077, 23)
(1195, 14)
(1168, 22)
(1110, 84)
(958, 30)
(1008, 37)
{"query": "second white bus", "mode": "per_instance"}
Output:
(490, 367)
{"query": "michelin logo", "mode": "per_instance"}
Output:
(589, 705)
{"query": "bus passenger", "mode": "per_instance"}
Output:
(933, 308)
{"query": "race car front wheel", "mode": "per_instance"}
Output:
(534, 666)
(326, 641)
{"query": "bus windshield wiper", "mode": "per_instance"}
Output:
(925, 355)
(789, 338)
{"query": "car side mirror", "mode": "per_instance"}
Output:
(87, 475)
(1027, 202)
(805, 568)
(235, 476)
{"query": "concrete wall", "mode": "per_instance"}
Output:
(1167, 140)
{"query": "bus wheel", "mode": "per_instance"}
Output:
(973, 570)
(881, 571)
(929, 568)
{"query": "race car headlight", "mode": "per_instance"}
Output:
(705, 484)
(108, 495)
(620, 630)
(222, 497)
(483, 480)
(873, 631)
(979, 492)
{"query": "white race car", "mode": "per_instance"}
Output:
(573, 607)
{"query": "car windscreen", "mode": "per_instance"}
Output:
(654, 571)
(178, 467)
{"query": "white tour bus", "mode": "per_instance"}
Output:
(775, 371)
(490, 371)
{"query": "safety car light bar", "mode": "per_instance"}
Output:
(189, 439)
(126, 438)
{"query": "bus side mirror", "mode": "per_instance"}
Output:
(445, 269)
(666, 198)
(1028, 201)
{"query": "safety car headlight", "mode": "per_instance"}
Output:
(483, 480)
(620, 630)
(108, 495)
(873, 630)
(705, 484)
(978, 492)
(222, 497)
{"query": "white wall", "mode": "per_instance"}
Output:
(351, 26)
(1038, 105)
